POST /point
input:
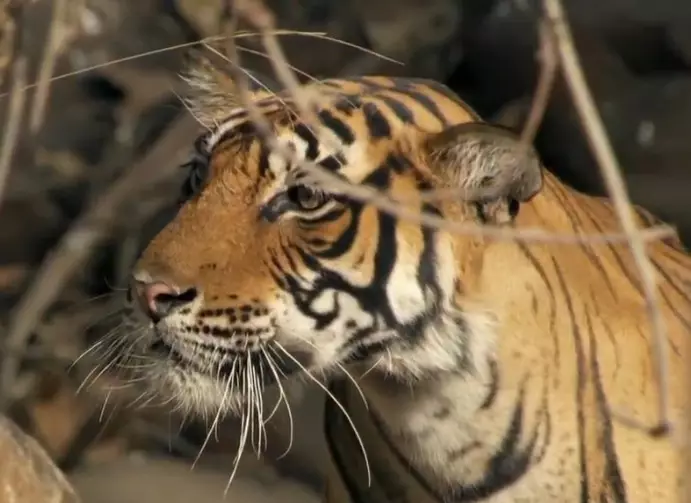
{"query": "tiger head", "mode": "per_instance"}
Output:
(265, 272)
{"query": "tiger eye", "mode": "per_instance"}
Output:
(307, 198)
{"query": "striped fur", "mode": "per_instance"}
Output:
(492, 367)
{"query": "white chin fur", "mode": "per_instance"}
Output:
(196, 393)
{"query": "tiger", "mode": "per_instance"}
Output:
(459, 367)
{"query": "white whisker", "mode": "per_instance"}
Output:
(338, 404)
(214, 426)
(284, 397)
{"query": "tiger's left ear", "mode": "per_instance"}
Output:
(212, 92)
(489, 167)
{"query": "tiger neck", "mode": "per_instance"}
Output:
(412, 427)
(438, 409)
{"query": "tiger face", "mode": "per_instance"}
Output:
(263, 273)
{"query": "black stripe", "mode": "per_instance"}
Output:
(308, 137)
(243, 130)
(400, 109)
(669, 279)
(552, 299)
(406, 88)
(684, 321)
(493, 385)
(263, 165)
(446, 92)
(348, 103)
(340, 128)
(612, 471)
(278, 279)
(572, 213)
(580, 384)
(381, 431)
(345, 241)
(377, 125)
(372, 85)
(332, 162)
(616, 254)
(343, 468)
(359, 352)
(509, 463)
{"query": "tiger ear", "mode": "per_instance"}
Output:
(211, 91)
(489, 167)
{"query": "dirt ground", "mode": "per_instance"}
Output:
(73, 216)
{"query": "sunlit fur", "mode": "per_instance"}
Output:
(494, 365)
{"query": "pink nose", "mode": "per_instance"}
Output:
(159, 299)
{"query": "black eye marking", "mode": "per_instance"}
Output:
(198, 166)
(298, 197)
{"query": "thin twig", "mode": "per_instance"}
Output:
(364, 193)
(549, 63)
(8, 34)
(134, 57)
(13, 123)
(58, 38)
(611, 171)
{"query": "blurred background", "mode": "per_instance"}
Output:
(94, 171)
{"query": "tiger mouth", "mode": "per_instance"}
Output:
(220, 363)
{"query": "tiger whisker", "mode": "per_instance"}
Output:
(343, 369)
(141, 396)
(374, 365)
(244, 426)
(270, 363)
(104, 406)
(214, 426)
(251, 398)
(93, 347)
(337, 403)
(152, 397)
(87, 379)
(284, 397)
(261, 425)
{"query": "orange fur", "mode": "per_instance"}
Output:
(569, 320)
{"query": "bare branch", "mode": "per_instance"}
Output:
(76, 245)
(59, 37)
(611, 171)
(14, 121)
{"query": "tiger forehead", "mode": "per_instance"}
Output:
(365, 109)
(368, 120)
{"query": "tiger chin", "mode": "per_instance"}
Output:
(493, 369)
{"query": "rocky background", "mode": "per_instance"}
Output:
(93, 175)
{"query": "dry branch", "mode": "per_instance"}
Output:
(76, 245)
(319, 175)
(611, 171)
(556, 38)
(13, 123)
(59, 37)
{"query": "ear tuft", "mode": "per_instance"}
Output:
(485, 162)
(212, 92)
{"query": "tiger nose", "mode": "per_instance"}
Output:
(159, 299)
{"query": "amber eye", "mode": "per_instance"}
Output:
(306, 198)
